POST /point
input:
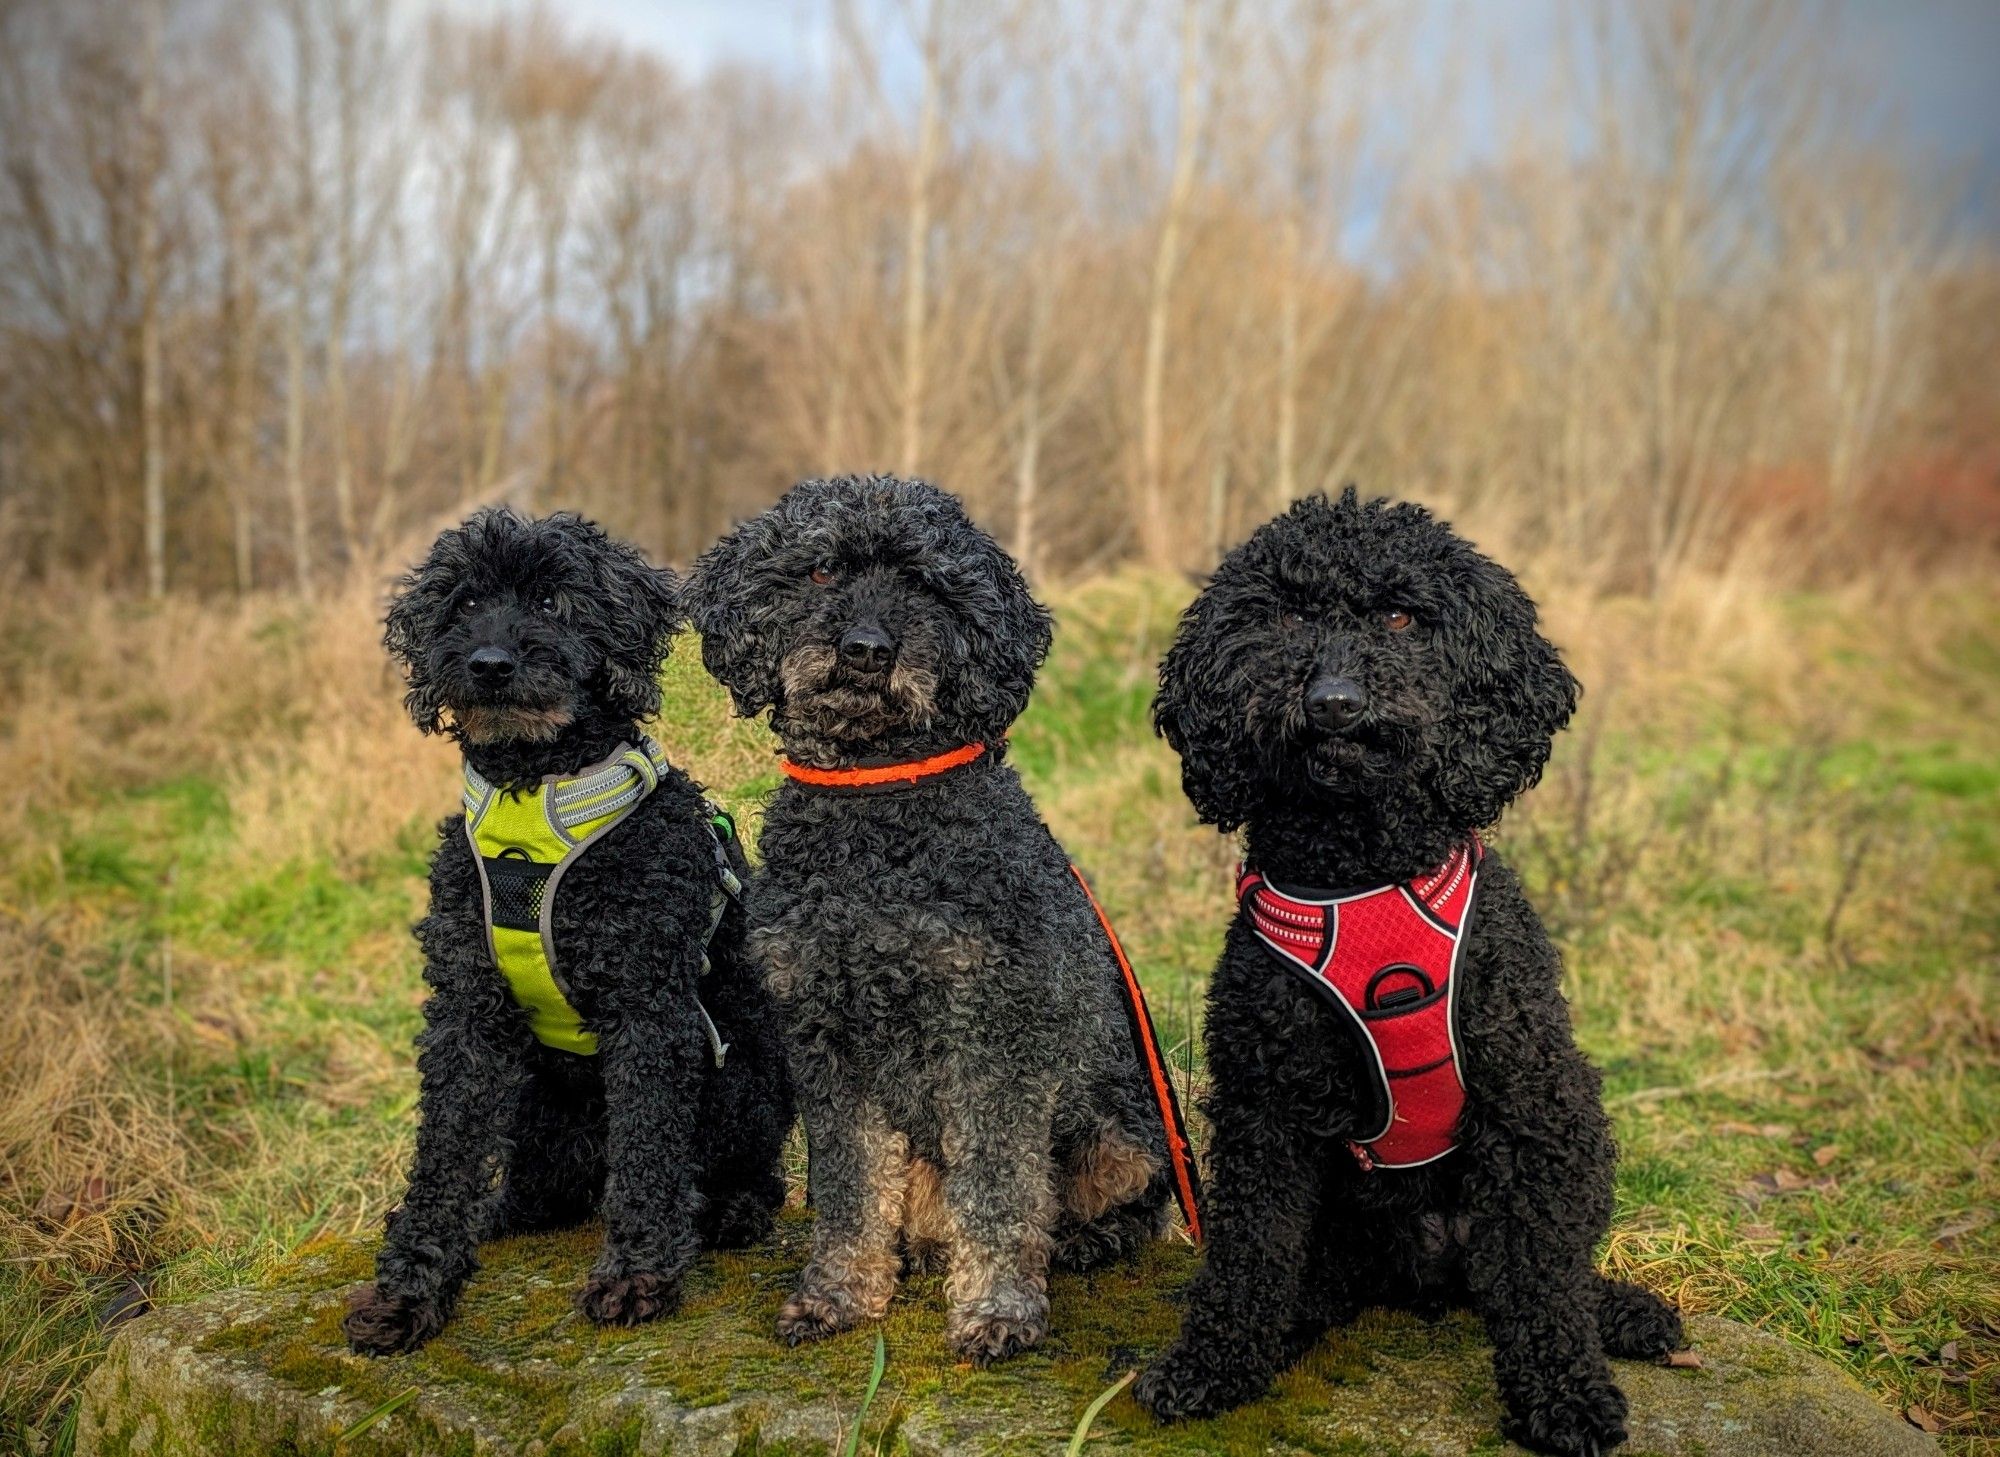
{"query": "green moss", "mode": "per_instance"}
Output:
(250, 1336)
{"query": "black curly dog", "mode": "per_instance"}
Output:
(953, 1013)
(543, 641)
(1363, 691)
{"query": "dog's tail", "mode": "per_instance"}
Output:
(1187, 1178)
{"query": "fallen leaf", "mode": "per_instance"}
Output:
(1826, 1153)
(1787, 1182)
(67, 1206)
(1922, 1419)
(216, 1029)
(1948, 1353)
(1775, 1130)
(1683, 1360)
(1732, 1127)
(1948, 1233)
(1759, 1233)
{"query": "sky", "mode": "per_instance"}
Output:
(1933, 64)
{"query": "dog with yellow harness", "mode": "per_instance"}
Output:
(595, 1041)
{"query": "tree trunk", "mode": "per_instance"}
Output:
(152, 446)
(552, 422)
(346, 64)
(916, 256)
(1155, 528)
(1288, 363)
(238, 327)
(296, 320)
(1027, 468)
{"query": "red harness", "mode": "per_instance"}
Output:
(1388, 957)
(891, 778)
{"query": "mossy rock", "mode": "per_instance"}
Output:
(264, 1370)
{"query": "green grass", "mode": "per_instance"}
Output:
(1774, 884)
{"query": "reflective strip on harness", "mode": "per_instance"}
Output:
(1388, 957)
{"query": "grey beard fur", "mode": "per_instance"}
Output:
(493, 723)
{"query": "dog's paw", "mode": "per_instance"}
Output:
(1636, 1324)
(985, 1338)
(379, 1323)
(811, 1316)
(738, 1220)
(1186, 1383)
(630, 1299)
(1583, 1421)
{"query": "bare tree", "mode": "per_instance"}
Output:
(301, 16)
(947, 37)
(1201, 27)
(549, 93)
(152, 155)
(252, 256)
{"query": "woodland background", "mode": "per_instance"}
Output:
(1696, 343)
(282, 281)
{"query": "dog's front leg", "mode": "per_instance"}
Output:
(1267, 1134)
(1537, 1196)
(861, 1173)
(469, 1065)
(999, 1188)
(653, 1066)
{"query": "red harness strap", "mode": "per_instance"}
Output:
(1388, 957)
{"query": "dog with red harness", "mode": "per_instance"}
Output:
(1400, 1114)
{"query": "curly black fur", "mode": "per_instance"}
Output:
(953, 1011)
(514, 1135)
(1459, 703)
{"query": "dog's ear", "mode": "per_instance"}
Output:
(1011, 635)
(418, 603)
(717, 597)
(1514, 694)
(640, 605)
(1194, 712)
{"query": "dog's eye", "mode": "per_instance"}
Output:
(1396, 619)
(547, 607)
(1291, 621)
(823, 576)
(469, 606)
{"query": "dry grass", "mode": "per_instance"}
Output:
(1766, 847)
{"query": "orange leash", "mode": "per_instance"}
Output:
(1187, 1181)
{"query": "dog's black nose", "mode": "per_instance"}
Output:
(1334, 703)
(867, 648)
(491, 665)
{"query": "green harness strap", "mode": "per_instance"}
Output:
(524, 840)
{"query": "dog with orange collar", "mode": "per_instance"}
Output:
(1399, 1112)
(980, 1085)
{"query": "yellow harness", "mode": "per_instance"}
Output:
(523, 840)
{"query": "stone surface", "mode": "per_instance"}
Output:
(264, 1371)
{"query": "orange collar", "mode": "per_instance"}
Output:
(877, 778)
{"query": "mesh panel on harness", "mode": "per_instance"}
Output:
(518, 885)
